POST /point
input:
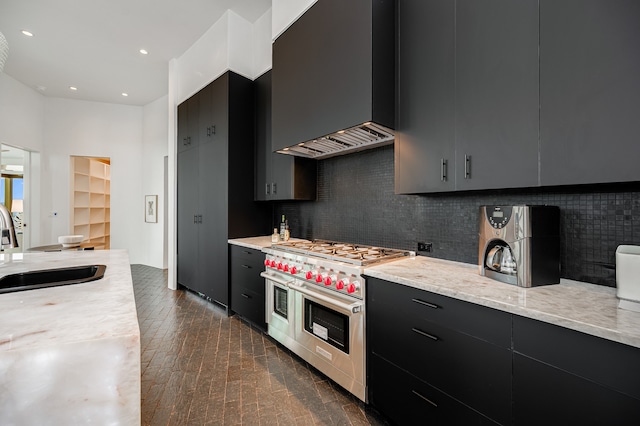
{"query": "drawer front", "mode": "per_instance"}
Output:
(248, 256)
(470, 370)
(249, 305)
(408, 401)
(248, 275)
(608, 363)
(419, 339)
(544, 395)
(478, 321)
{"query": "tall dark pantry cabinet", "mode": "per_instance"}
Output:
(215, 183)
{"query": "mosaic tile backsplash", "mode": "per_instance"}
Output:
(356, 203)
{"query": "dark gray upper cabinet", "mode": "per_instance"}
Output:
(590, 86)
(425, 137)
(333, 69)
(467, 95)
(496, 104)
(215, 187)
(278, 176)
(188, 119)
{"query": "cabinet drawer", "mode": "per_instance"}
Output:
(249, 305)
(252, 257)
(547, 395)
(468, 369)
(417, 305)
(608, 363)
(407, 400)
(247, 276)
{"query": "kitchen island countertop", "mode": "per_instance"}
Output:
(589, 308)
(70, 354)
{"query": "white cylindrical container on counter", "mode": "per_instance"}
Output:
(628, 277)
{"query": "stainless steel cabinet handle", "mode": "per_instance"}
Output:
(422, 302)
(195, 218)
(422, 333)
(199, 218)
(275, 188)
(443, 170)
(424, 398)
(267, 189)
(467, 167)
(246, 296)
(246, 266)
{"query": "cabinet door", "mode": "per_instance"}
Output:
(496, 94)
(214, 201)
(247, 286)
(543, 394)
(589, 91)
(424, 137)
(263, 136)
(187, 220)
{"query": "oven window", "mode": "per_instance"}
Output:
(280, 301)
(327, 324)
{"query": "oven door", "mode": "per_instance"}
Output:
(279, 309)
(329, 329)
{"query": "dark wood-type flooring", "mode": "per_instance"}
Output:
(201, 367)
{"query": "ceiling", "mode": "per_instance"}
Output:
(94, 45)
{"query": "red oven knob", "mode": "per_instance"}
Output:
(267, 262)
(318, 278)
(340, 284)
(328, 281)
(285, 268)
(308, 275)
(273, 263)
(352, 287)
(279, 266)
(294, 270)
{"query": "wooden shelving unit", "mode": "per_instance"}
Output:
(91, 200)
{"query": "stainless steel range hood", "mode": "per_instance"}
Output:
(358, 138)
(334, 79)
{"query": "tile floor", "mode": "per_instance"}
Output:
(200, 367)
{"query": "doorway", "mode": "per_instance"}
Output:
(13, 190)
(91, 201)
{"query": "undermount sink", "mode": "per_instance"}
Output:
(51, 278)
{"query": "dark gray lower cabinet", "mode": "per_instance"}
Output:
(454, 357)
(247, 286)
(216, 187)
(437, 360)
(561, 376)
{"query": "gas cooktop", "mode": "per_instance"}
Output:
(356, 254)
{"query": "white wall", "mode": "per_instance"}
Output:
(286, 12)
(154, 149)
(21, 115)
(96, 130)
(262, 58)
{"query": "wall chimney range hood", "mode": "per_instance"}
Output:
(334, 79)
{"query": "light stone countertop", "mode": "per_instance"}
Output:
(70, 354)
(584, 307)
(256, 243)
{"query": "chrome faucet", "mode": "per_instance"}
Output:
(7, 229)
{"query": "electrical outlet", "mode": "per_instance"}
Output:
(427, 247)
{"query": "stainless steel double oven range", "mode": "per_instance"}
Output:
(315, 304)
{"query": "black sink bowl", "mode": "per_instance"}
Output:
(51, 278)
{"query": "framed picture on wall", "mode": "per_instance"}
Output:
(151, 208)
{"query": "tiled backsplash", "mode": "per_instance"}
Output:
(356, 203)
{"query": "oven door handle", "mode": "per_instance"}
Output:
(274, 279)
(352, 308)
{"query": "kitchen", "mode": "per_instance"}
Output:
(595, 219)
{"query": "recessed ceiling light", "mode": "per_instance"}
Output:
(27, 33)
(144, 52)
(74, 88)
(125, 94)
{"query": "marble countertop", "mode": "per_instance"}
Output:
(70, 354)
(584, 307)
(256, 243)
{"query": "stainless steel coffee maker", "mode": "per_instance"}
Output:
(520, 245)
